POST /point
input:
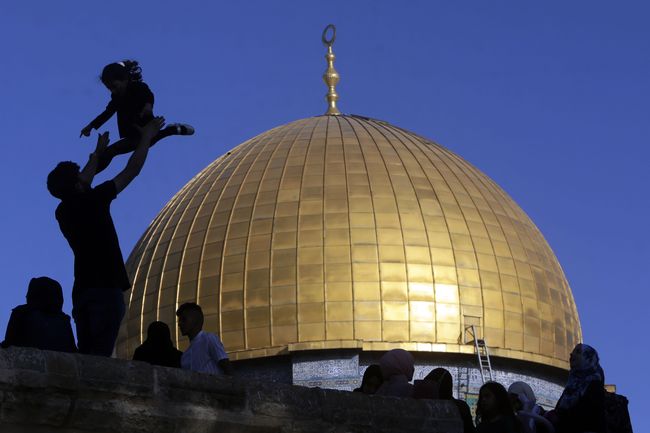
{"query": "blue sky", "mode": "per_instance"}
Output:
(550, 99)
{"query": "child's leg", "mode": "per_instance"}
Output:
(173, 129)
(120, 147)
(128, 144)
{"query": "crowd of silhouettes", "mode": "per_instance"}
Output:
(584, 407)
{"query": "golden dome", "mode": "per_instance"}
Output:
(348, 232)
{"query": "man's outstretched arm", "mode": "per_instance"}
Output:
(137, 159)
(90, 169)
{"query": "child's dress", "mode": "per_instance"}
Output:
(128, 107)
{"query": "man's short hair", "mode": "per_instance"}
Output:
(62, 180)
(191, 308)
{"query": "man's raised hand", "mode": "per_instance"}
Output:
(152, 128)
(102, 142)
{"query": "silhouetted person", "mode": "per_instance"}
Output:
(439, 384)
(372, 380)
(397, 368)
(528, 411)
(40, 323)
(494, 412)
(133, 102)
(206, 353)
(158, 348)
(581, 408)
(85, 220)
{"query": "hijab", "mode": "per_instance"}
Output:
(397, 367)
(158, 348)
(445, 382)
(397, 362)
(45, 294)
(525, 394)
(584, 369)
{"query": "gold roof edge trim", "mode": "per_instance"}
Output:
(368, 346)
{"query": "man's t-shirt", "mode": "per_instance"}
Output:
(204, 354)
(85, 221)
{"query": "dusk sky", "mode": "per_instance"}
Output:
(550, 99)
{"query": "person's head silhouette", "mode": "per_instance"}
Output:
(45, 294)
(63, 182)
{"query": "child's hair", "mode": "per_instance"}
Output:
(503, 404)
(62, 180)
(124, 70)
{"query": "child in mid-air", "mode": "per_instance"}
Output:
(133, 101)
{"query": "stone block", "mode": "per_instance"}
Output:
(285, 401)
(109, 395)
(37, 407)
(23, 358)
(346, 407)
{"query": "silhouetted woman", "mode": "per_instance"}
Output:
(531, 415)
(158, 348)
(133, 101)
(41, 323)
(372, 380)
(397, 368)
(494, 413)
(581, 407)
(439, 384)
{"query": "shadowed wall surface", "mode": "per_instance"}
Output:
(43, 392)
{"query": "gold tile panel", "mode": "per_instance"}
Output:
(342, 231)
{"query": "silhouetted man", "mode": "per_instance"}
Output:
(206, 353)
(85, 221)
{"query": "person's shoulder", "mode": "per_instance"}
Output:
(462, 405)
(212, 337)
(105, 189)
(19, 309)
(139, 86)
(60, 210)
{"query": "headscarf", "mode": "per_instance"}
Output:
(445, 382)
(397, 367)
(158, 335)
(372, 371)
(583, 370)
(529, 412)
(397, 362)
(525, 394)
(158, 348)
(45, 294)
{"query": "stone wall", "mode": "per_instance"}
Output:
(44, 392)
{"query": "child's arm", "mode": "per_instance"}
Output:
(98, 121)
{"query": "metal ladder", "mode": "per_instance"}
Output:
(483, 355)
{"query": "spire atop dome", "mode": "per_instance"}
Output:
(331, 77)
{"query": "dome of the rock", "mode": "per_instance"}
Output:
(318, 245)
(344, 232)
